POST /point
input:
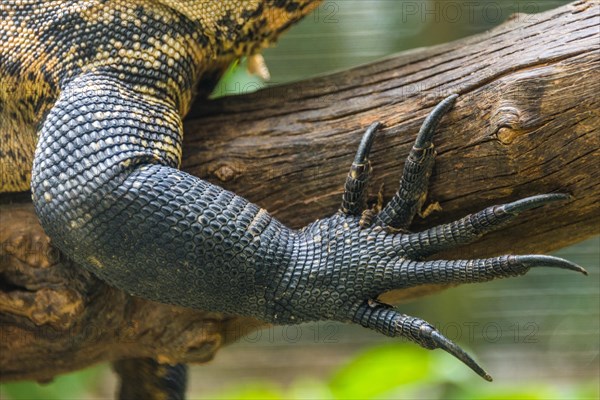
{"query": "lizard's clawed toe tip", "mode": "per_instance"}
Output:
(550, 261)
(452, 98)
(365, 144)
(528, 203)
(430, 124)
(452, 348)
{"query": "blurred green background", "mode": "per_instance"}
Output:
(537, 335)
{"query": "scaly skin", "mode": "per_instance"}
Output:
(159, 49)
(108, 191)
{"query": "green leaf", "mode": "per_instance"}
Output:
(236, 81)
(309, 388)
(70, 386)
(250, 391)
(497, 391)
(380, 369)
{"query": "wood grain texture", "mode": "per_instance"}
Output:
(527, 122)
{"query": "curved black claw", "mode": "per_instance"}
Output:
(414, 273)
(450, 347)
(532, 261)
(472, 227)
(364, 148)
(386, 320)
(533, 202)
(354, 198)
(431, 122)
(401, 209)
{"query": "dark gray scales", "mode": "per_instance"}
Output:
(119, 206)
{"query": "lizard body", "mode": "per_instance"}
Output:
(160, 49)
(99, 89)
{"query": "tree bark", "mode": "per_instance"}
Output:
(527, 122)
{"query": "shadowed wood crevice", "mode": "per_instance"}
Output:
(527, 122)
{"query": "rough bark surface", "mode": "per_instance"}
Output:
(527, 122)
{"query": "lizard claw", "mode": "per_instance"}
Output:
(431, 122)
(410, 196)
(528, 203)
(348, 261)
(470, 228)
(355, 190)
(381, 317)
(450, 347)
(364, 148)
(532, 261)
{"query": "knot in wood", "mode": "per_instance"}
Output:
(225, 173)
(506, 123)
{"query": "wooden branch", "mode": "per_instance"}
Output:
(527, 122)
